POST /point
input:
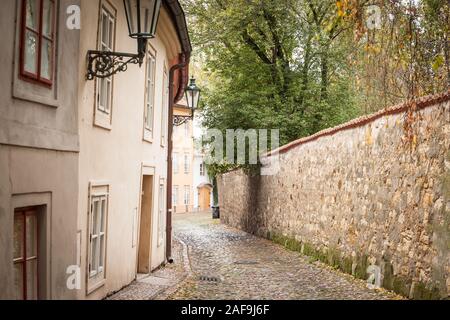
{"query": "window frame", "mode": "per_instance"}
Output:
(151, 56)
(187, 129)
(202, 169)
(103, 114)
(99, 234)
(37, 77)
(175, 163)
(104, 11)
(175, 195)
(164, 107)
(24, 213)
(187, 195)
(187, 163)
(161, 211)
(97, 190)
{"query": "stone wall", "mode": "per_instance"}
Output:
(374, 191)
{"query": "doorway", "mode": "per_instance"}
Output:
(204, 197)
(145, 233)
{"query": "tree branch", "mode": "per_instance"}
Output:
(254, 46)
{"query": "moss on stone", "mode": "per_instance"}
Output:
(446, 185)
(333, 257)
(401, 285)
(309, 250)
(330, 256)
(388, 276)
(346, 265)
(362, 263)
(422, 292)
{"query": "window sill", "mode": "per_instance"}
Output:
(48, 84)
(95, 286)
(102, 120)
(27, 91)
(148, 136)
(103, 126)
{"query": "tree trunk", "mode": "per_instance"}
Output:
(305, 73)
(324, 68)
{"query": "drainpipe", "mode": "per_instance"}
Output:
(184, 61)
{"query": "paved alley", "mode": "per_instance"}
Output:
(229, 264)
(213, 261)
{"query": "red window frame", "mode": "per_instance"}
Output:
(37, 77)
(23, 213)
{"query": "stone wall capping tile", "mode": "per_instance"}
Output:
(421, 103)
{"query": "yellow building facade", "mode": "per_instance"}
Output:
(183, 163)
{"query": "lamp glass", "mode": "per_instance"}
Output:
(142, 17)
(192, 94)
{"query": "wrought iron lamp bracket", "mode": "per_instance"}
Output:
(180, 120)
(103, 64)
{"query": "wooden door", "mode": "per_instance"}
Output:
(145, 233)
(204, 198)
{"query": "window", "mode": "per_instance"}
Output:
(104, 87)
(134, 236)
(37, 48)
(187, 195)
(161, 213)
(186, 129)
(175, 163)
(106, 43)
(175, 195)
(26, 254)
(164, 108)
(187, 163)
(150, 91)
(202, 169)
(97, 235)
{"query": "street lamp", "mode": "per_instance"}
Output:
(192, 95)
(142, 20)
(192, 98)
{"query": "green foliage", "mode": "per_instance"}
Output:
(304, 65)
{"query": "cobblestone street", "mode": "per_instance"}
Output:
(160, 283)
(229, 264)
